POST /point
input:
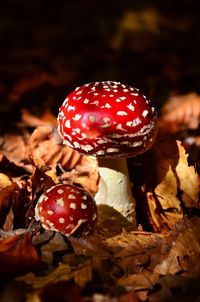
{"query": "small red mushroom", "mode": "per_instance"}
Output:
(66, 209)
(112, 121)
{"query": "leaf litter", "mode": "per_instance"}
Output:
(115, 262)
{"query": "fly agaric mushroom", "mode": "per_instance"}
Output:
(66, 209)
(112, 121)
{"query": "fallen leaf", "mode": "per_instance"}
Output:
(14, 147)
(184, 253)
(183, 110)
(175, 288)
(139, 282)
(17, 256)
(46, 151)
(4, 181)
(170, 183)
(31, 120)
(189, 180)
(81, 275)
(7, 196)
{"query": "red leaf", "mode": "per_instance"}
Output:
(17, 256)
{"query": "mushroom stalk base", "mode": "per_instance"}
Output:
(115, 189)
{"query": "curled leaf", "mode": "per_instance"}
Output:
(171, 183)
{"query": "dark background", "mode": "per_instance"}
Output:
(50, 47)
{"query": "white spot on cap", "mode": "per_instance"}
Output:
(70, 108)
(60, 191)
(67, 124)
(95, 103)
(60, 202)
(77, 117)
(131, 107)
(50, 212)
(83, 206)
(79, 92)
(107, 105)
(112, 150)
(71, 196)
(100, 152)
(86, 101)
(84, 197)
(122, 113)
(121, 98)
(86, 147)
(119, 126)
(76, 145)
(136, 144)
(77, 130)
(72, 206)
(106, 121)
(134, 123)
(145, 112)
(125, 90)
(61, 220)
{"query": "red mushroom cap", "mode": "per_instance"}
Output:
(66, 209)
(107, 119)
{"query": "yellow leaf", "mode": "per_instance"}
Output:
(172, 183)
(189, 179)
(81, 275)
(4, 181)
(62, 273)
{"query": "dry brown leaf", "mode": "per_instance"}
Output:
(46, 151)
(14, 147)
(175, 288)
(111, 222)
(183, 110)
(31, 120)
(184, 253)
(17, 256)
(7, 196)
(81, 275)
(138, 282)
(133, 251)
(189, 180)
(55, 245)
(172, 182)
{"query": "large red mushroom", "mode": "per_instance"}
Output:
(112, 121)
(66, 209)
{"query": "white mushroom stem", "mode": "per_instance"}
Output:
(115, 188)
